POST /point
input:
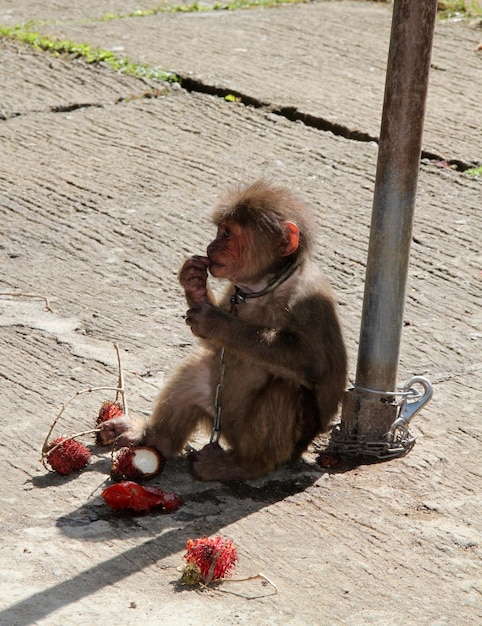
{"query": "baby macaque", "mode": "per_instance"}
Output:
(272, 363)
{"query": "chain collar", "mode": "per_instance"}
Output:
(239, 296)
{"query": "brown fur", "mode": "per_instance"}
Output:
(285, 357)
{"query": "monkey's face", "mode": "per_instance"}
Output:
(241, 254)
(227, 252)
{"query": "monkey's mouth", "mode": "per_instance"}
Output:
(215, 267)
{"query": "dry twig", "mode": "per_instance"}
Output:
(119, 390)
(20, 294)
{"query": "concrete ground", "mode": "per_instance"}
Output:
(106, 181)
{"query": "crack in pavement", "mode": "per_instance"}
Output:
(291, 113)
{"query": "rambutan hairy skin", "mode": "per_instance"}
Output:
(124, 468)
(67, 455)
(215, 557)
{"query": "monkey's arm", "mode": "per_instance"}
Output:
(296, 351)
(193, 277)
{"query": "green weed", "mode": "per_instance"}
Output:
(87, 53)
(232, 5)
(474, 172)
(459, 8)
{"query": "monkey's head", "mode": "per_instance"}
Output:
(261, 229)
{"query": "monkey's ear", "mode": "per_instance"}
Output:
(290, 242)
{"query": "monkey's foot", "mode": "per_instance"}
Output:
(214, 463)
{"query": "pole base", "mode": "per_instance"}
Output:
(355, 446)
(375, 424)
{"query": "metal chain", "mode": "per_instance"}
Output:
(239, 297)
(399, 439)
(216, 429)
(408, 393)
(355, 445)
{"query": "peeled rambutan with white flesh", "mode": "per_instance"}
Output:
(67, 455)
(108, 411)
(136, 463)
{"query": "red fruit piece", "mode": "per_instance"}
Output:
(129, 495)
(108, 411)
(67, 455)
(170, 501)
(330, 460)
(136, 463)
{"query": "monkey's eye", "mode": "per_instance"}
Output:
(227, 232)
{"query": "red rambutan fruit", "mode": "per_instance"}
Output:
(67, 455)
(135, 463)
(214, 556)
(108, 411)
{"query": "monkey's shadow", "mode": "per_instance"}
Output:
(207, 509)
(207, 506)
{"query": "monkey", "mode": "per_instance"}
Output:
(272, 363)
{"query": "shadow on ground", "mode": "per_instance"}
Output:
(217, 504)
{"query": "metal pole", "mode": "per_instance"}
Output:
(369, 411)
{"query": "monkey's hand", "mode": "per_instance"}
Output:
(204, 319)
(193, 277)
(123, 431)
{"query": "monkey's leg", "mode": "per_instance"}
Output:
(214, 463)
(184, 403)
(262, 438)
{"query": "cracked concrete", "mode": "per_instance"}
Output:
(106, 181)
